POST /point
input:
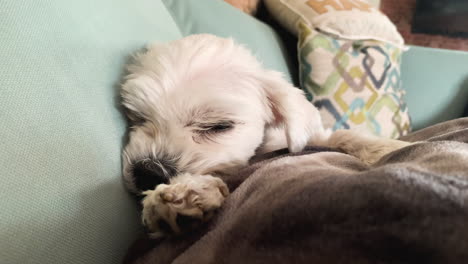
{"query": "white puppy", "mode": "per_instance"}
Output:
(200, 108)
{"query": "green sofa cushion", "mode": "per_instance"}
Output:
(436, 82)
(61, 192)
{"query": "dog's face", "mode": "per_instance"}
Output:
(201, 105)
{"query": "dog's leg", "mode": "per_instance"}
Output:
(193, 197)
(367, 148)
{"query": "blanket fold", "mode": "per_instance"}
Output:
(322, 206)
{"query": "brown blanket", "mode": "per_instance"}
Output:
(321, 206)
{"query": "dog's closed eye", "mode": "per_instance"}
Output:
(218, 127)
(209, 130)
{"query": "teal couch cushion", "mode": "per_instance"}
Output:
(436, 82)
(61, 194)
(219, 18)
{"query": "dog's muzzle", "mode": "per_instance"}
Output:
(150, 172)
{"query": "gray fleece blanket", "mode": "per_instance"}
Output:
(323, 206)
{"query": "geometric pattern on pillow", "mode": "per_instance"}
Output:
(354, 83)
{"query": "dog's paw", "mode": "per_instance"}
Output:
(368, 148)
(182, 205)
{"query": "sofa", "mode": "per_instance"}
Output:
(61, 64)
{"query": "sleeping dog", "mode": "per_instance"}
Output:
(200, 108)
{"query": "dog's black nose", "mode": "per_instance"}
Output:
(149, 172)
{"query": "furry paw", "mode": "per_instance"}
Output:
(182, 205)
(369, 149)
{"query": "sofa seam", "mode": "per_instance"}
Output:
(176, 21)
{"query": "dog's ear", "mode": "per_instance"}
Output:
(139, 97)
(292, 111)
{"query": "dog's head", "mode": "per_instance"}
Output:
(202, 105)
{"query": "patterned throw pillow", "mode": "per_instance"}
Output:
(355, 84)
(349, 58)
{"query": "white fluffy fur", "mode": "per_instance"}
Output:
(175, 91)
(203, 79)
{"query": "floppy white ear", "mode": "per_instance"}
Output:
(291, 110)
